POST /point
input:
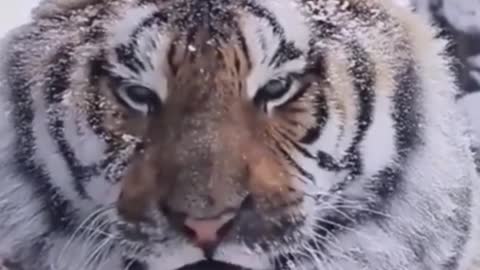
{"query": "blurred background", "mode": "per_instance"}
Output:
(460, 22)
(14, 12)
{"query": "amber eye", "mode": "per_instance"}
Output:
(272, 90)
(138, 98)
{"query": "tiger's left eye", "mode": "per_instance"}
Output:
(272, 90)
(139, 98)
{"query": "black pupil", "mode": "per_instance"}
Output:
(139, 94)
(274, 89)
(143, 96)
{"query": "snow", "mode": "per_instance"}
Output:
(14, 13)
(464, 16)
(404, 3)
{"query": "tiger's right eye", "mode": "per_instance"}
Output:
(273, 90)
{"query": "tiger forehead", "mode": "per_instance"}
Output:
(208, 58)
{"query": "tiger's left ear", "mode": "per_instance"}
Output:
(50, 8)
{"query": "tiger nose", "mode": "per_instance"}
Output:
(207, 233)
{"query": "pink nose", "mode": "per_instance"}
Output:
(206, 233)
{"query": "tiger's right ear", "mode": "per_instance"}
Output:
(49, 8)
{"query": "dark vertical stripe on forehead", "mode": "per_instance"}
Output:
(58, 83)
(243, 46)
(126, 55)
(156, 19)
(362, 70)
(263, 13)
(61, 214)
(287, 51)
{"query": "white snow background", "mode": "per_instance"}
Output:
(16, 12)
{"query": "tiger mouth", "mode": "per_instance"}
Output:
(201, 265)
(212, 265)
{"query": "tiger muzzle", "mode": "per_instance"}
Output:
(213, 177)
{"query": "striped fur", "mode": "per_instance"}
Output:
(362, 163)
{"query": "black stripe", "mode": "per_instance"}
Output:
(243, 46)
(328, 162)
(126, 55)
(407, 118)
(95, 119)
(318, 69)
(56, 87)
(158, 18)
(363, 72)
(386, 183)
(286, 52)
(321, 116)
(131, 264)
(263, 13)
(292, 162)
(59, 209)
(126, 52)
(406, 115)
(98, 69)
(297, 146)
(345, 217)
(323, 30)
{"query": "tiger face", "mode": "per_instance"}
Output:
(223, 107)
(253, 124)
(232, 134)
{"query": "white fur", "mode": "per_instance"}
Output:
(258, 31)
(49, 8)
(154, 78)
(20, 219)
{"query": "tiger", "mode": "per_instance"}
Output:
(233, 134)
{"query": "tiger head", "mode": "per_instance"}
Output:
(252, 118)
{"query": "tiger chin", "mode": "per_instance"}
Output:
(232, 134)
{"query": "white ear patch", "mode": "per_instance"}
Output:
(48, 8)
